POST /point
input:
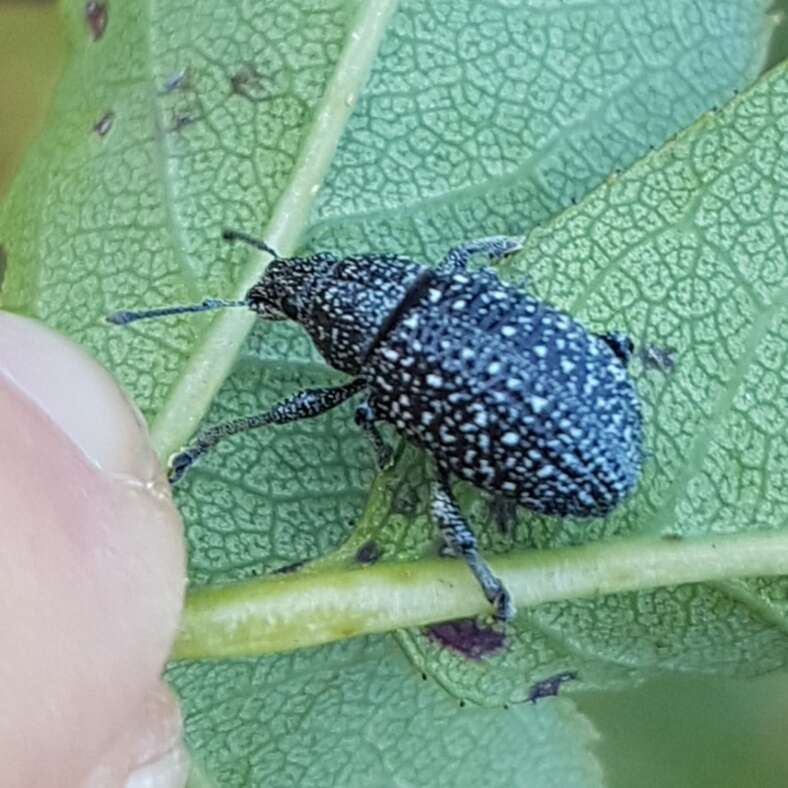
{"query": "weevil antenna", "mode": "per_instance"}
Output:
(237, 235)
(126, 316)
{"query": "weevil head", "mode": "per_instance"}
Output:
(287, 286)
(341, 303)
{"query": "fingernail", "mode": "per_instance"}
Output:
(54, 372)
(171, 770)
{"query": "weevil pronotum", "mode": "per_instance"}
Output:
(500, 388)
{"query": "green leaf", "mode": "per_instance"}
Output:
(478, 117)
(357, 714)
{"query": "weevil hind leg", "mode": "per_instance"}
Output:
(495, 247)
(461, 542)
(305, 404)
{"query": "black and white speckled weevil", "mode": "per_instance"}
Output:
(501, 389)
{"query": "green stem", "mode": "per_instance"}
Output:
(307, 608)
(214, 357)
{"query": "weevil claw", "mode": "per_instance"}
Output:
(178, 465)
(504, 609)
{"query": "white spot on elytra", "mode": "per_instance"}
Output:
(508, 331)
(538, 404)
(510, 439)
(436, 381)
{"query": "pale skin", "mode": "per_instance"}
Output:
(93, 576)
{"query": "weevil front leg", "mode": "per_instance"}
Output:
(460, 540)
(495, 247)
(304, 405)
(366, 418)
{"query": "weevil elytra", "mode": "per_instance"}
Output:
(501, 389)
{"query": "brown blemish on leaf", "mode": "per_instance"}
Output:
(104, 124)
(96, 18)
(550, 686)
(467, 638)
(244, 81)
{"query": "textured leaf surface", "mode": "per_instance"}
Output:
(478, 118)
(358, 714)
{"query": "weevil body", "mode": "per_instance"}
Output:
(500, 388)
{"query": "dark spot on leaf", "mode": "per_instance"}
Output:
(423, 676)
(467, 638)
(3, 264)
(672, 537)
(462, 704)
(180, 120)
(663, 359)
(550, 686)
(104, 123)
(368, 553)
(96, 18)
(244, 81)
(177, 80)
(288, 568)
